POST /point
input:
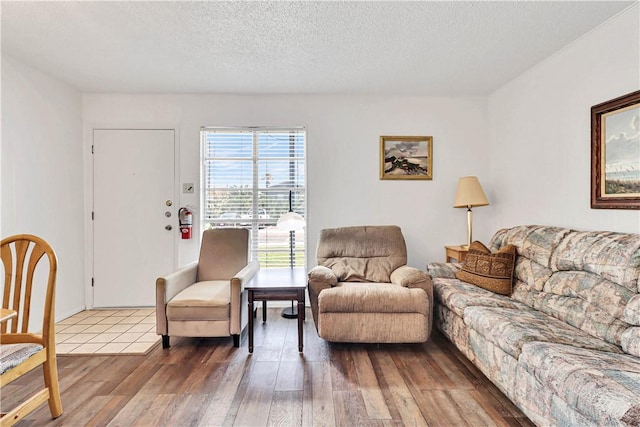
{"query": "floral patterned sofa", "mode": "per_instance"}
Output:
(565, 346)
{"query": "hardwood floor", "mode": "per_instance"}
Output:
(208, 382)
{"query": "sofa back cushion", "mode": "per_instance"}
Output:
(612, 256)
(585, 279)
(363, 253)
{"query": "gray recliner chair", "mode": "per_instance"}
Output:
(362, 291)
(206, 298)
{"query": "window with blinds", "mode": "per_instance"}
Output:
(250, 177)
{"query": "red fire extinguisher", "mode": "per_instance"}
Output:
(186, 222)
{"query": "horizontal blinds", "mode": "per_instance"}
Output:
(249, 177)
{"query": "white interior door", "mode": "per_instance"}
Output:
(133, 194)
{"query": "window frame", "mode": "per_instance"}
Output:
(254, 222)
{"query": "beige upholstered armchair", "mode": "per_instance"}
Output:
(206, 298)
(362, 291)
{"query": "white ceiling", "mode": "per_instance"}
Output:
(388, 48)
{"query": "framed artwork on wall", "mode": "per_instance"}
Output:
(406, 157)
(615, 153)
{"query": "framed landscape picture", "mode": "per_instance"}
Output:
(615, 153)
(406, 157)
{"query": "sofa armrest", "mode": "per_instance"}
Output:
(169, 286)
(444, 270)
(320, 278)
(237, 284)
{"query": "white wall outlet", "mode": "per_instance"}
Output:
(188, 188)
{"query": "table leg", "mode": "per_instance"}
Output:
(300, 322)
(264, 311)
(250, 323)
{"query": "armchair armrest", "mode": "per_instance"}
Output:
(169, 286)
(246, 274)
(322, 275)
(237, 286)
(410, 277)
(320, 278)
(414, 278)
(444, 270)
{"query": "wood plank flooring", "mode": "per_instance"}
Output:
(208, 382)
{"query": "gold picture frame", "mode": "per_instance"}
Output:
(615, 153)
(406, 157)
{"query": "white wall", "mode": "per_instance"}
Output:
(540, 131)
(343, 156)
(42, 179)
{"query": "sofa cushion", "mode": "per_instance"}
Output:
(350, 297)
(613, 256)
(457, 296)
(573, 307)
(631, 313)
(530, 272)
(510, 329)
(631, 341)
(534, 242)
(604, 387)
(490, 271)
(592, 288)
(201, 301)
(445, 270)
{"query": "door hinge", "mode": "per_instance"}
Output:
(92, 282)
(92, 149)
(93, 215)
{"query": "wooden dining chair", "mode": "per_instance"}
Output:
(22, 350)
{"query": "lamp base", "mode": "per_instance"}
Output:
(290, 313)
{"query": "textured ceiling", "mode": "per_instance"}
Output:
(399, 48)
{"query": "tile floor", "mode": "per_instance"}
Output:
(129, 331)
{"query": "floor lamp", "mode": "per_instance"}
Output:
(468, 195)
(291, 222)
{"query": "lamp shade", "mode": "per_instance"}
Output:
(469, 193)
(291, 221)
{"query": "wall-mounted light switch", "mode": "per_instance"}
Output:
(187, 188)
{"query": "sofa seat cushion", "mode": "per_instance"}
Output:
(604, 387)
(201, 301)
(457, 296)
(354, 297)
(509, 329)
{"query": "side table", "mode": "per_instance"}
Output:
(455, 253)
(277, 284)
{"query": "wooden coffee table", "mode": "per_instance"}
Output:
(277, 284)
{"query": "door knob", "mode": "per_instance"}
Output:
(168, 227)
